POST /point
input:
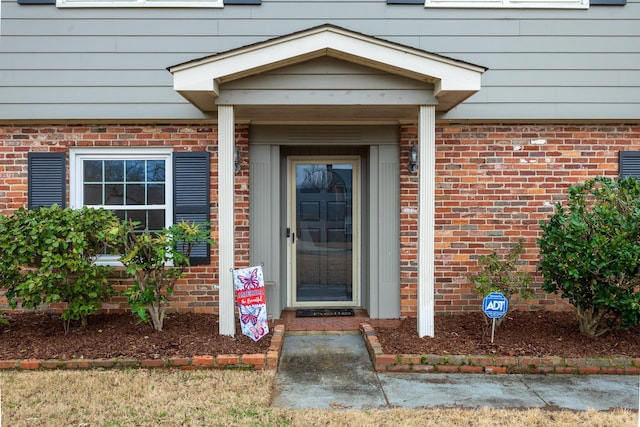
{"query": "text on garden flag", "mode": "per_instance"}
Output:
(252, 303)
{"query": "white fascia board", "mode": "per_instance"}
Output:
(401, 60)
(195, 78)
(458, 80)
(201, 75)
(207, 73)
(456, 89)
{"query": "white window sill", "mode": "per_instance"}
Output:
(108, 260)
(508, 4)
(139, 3)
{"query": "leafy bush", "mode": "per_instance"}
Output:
(48, 256)
(590, 253)
(501, 274)
(156, 261)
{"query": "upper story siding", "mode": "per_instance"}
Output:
(110, 64)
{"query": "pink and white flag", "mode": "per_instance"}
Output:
(252, 303)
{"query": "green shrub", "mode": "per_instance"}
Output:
(590, 253)
(156, 261)
(501, 274)
(48, 256)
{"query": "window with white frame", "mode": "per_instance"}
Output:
(135, 184)
(140, 3)
(515, 4)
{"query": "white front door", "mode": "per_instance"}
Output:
(324, 231)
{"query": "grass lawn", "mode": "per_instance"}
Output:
(224, 398)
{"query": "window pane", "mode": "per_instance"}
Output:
(135, 170)
(93, 194)
(135, 182)
(155, 171)
(114, 171)
(138, 216)
(156, 219)
(114, 194)
(93, 171)
(135, 194)
(155, 194)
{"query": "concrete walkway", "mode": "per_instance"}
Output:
(334, 371)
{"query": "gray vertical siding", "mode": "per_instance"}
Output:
(265, 238)
(111, 63)
(384, 241)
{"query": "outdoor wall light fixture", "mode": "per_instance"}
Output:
(413, 159)
(236, 159)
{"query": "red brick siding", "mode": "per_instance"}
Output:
(408, 225)
(493, 186)
(197, 291)
(241, 199)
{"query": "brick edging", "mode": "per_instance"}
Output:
(257, 361)
(429, 363)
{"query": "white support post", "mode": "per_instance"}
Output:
(426, 219)
(226, 144)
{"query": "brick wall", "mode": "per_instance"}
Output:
(198, 290)
(494, 183)
(408, 225)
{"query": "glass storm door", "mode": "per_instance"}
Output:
(324, 232)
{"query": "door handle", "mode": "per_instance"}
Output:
(290, 234)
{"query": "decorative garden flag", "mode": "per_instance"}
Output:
(252, 302)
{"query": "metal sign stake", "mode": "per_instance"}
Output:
(493, 329)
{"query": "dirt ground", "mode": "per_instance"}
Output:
(41, 336)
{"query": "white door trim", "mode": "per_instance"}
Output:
(292, 161)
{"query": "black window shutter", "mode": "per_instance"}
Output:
(46, 177)
(629, 164)
(191, 196)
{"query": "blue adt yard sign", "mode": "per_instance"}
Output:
(495, 305)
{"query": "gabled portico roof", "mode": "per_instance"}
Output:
(453, 81)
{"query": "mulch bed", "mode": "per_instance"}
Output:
(524, 333)
(41, 336)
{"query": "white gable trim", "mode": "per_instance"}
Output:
(198, 81)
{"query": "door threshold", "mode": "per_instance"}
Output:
(324, 312)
